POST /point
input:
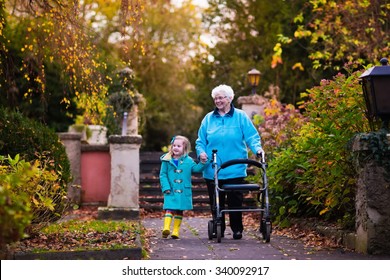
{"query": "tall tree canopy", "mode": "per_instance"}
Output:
(338, 31)
(170, 36)
(58, 58)
(293, 43)
(72, 49)
(50, 55)
(245, 33)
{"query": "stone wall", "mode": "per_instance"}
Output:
(113, 169)
(373, 195)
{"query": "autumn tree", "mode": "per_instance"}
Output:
(170, 36)
(245, 34)
(339, 31)
(50, 50)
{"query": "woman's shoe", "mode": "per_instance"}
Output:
(237, 235)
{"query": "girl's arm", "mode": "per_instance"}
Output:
(164, 181)
(198, 167)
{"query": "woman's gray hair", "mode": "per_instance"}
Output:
(225, 90)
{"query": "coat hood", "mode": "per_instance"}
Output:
(168, 157)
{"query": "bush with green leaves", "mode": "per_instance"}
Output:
(30, 139)
(31, 196)
(40, 146)
(278, 124)
(15, 210)
(313, 175)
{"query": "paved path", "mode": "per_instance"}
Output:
(195, 245)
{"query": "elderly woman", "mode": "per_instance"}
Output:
(231, 132)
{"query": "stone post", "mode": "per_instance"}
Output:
(373, 195)
(132, 121)
(72, 143)
(252, 104)
(123, 201)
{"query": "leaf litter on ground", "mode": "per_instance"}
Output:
(115, 236)
(80, 230)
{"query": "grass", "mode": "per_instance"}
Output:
(81, 235)
(100, 226)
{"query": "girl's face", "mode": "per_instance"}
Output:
(177, 148)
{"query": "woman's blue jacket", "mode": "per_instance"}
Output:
(231, 135)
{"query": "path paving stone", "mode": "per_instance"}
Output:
(195, 245)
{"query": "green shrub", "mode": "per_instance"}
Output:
(278, 125)
(29, 139)
(40, 146)
(30, 196)
(313, 175)
(15, 211)
(46, 192)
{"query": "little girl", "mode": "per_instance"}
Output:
(175, 179)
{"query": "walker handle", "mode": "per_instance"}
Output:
(214, 158)
(241, 161)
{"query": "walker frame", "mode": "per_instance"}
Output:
(262, 203)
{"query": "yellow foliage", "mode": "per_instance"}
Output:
(276, 60)
(323, 211)
(298, 66)
(56, 34)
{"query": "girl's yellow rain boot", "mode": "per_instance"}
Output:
(176, 227)
(167, 225)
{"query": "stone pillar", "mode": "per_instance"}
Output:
(373, 194)
(72, 143)
(132, 121)
(123, 201)
(98, 135)
(252, 104)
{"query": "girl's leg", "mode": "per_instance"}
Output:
(167, 223)
(176, 224)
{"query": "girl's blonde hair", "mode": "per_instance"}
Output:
(186, 142)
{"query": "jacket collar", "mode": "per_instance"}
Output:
(230, 113)
(168, 157)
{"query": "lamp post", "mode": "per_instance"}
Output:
(254, 79)
(376, 90)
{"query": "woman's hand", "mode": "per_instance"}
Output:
(203, 157)
(260, 152)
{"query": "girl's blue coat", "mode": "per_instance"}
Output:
(177, 179)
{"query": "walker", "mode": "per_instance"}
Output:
(261, 191)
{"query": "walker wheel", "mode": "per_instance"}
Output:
(262, 225)
(219, 232)
(211, 229)
(267, 231)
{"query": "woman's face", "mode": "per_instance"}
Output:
(221, 101)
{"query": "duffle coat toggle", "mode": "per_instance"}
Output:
(177, 179)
